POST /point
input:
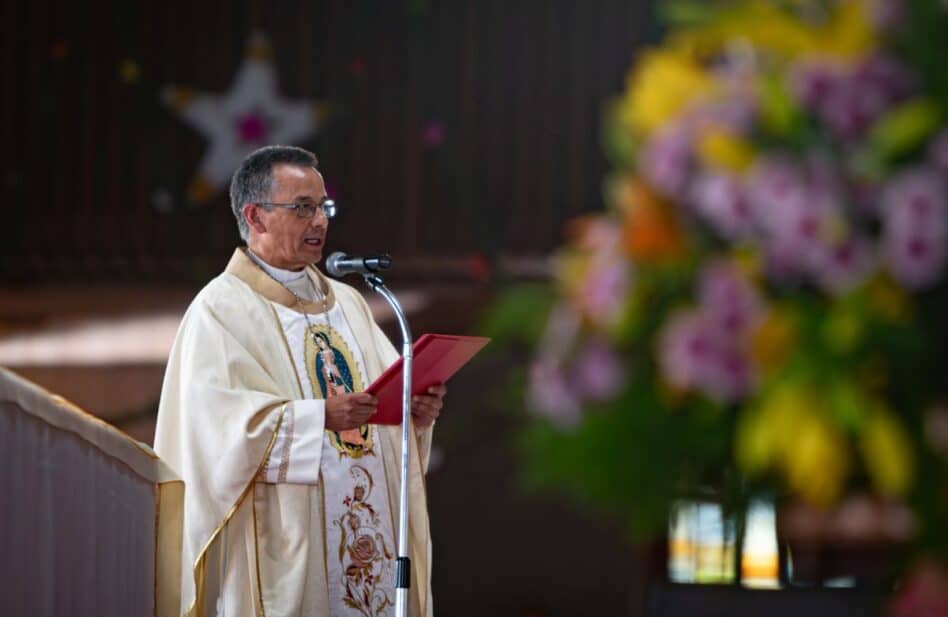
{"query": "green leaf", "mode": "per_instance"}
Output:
(779, 111)
(687, 12)
(617, 139)
(848, 405)
(519, 313)
(904, 128)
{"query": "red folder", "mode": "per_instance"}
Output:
(435, 358)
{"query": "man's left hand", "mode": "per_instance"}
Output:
(425, 408)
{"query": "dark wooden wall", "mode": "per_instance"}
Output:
(518, 85)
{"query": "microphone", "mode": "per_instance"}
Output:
(339, 264)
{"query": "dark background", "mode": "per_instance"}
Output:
(519, 88)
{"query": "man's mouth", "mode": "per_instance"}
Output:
(313, 241)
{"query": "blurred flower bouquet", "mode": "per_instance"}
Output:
(763, 308)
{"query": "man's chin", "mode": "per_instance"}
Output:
(309, 253)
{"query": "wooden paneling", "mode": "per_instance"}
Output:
(518, 86)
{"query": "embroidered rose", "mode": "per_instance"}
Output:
(363, 550)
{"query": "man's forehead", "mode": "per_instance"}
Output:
(291, 171)
(295, 177)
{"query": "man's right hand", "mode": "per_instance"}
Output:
(346, 411)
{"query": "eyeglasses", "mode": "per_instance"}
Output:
(307, 210)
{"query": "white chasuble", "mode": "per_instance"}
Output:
(358, 519)
(282, 518)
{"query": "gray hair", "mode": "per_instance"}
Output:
(253, 180)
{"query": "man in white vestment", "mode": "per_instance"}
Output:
(291, 499)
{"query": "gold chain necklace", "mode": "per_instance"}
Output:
(323, 299)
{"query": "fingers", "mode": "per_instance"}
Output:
(359, 415)
(423, 401)
(422, 421)
(425, 408)
(364, 398)
(347, 403)
(360, 410)
(347, 411)
(364, 406)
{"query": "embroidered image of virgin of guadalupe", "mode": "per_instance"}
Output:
(331, 368)
(335, 377)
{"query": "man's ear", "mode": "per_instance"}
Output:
(251, 214)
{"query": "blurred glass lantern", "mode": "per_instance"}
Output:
(703, 548)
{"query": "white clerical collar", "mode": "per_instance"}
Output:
(296, 281)
(281, 275)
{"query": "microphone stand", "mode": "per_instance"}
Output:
(403, 563)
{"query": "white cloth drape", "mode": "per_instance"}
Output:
(82, 520)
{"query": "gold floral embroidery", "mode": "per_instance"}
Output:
(364, 554)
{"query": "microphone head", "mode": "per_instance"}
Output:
(332, 264)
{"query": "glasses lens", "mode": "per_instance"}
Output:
(306, 211)
(329, 208)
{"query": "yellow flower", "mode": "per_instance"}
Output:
(817, 464)
(849, 32)
(774, 339)
(846, 31)
(665, 81)
(660, 86)
(768, 27)
(722, 149)
(756, 444)
(791, 430)
(888, 454)
(762, 434)
(888, 299)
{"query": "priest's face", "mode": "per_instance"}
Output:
(279, 236)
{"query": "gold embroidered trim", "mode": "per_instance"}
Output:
(287, 444)
(256, 556)
(157, 488)
(200, 564)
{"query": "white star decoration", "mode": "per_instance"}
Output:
(249, 115)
